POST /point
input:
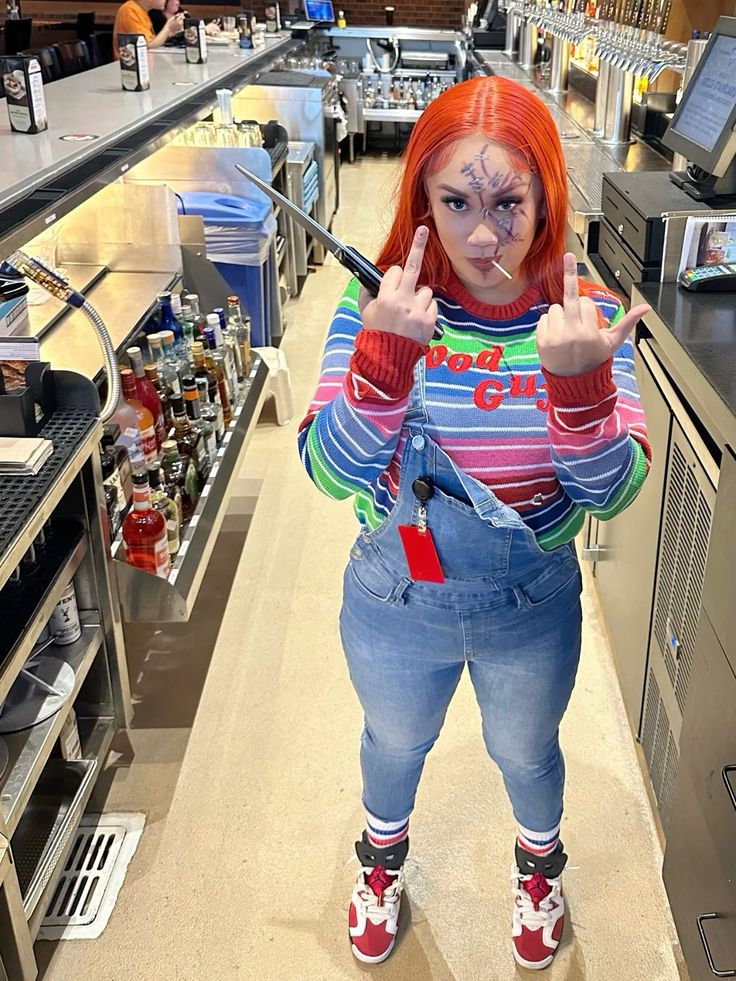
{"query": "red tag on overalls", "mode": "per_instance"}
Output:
(421, 555)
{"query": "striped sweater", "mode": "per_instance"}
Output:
(551, 447)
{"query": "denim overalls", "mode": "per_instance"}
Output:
(507, 608)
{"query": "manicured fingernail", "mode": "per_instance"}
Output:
(422, 231)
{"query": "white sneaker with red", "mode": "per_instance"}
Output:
(539, 917)
(373, 919)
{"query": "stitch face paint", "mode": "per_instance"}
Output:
(486, 210)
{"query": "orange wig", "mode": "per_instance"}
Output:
(508, 114)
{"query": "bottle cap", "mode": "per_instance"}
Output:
(177, 404)
(197, 348)
(140, 478)
(154, 475)
(110, 434)
(213, 319)
(151, 372)
(170, 446)
(233, 299)
(188, 381)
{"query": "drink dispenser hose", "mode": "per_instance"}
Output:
(19, 265)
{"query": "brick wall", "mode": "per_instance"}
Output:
(412, 13)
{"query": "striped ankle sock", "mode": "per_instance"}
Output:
(384, 834)
(539, 843)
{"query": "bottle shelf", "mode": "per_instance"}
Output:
(153, 599)
(30, 749)
(27, 614)
(392, 115)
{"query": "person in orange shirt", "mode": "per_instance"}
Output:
(132, 18)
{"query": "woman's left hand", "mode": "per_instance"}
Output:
(569, 338)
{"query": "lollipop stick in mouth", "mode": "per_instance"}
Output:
(500, 268)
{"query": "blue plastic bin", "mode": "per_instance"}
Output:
(240, 234)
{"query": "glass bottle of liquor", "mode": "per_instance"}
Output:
(231, 343)
(215, 367)
(144, 532)
(164, 395)
(168, 507)
(178, 359)
(111, 444)
(227, 364)
(167, 371)
(197, 316)
(196, 420)
(189, 440)
(180, 476)
(239, 324)
(208, 411)
(187, 322)
(129, 438)
(113, 492)
(144, 417)
(147, 393)
(168, 320)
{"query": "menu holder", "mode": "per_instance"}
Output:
(25, 409)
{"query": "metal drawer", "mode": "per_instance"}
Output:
(624, 266)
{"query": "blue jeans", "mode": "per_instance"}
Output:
(508, 609)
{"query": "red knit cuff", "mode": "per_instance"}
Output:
(386, 360)
(578, 391)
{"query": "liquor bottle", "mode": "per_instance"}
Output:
(214, 366)
(197, 316)
(113, 492)
(111, 444)
(177, 359)
(196, 421)
(239, 324)
(129, 438)
(168, 320)
(168, 508)
(147, 393)
(208, 411)
(187, 322)
(201, 371)
(222, 355)
(228, 338)
(164, 395)
(144, 532)
(144, 417)
(190, 441)
(180, 473)
(167, 371)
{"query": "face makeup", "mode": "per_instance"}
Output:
(486, 211)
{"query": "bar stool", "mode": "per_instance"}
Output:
(100, 48)
(85, 24)
(279, 382)
(74, 57)
(48, 59)
(18, 35)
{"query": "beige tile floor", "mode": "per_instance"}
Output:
(252, 789)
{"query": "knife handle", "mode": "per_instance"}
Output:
(370, 276)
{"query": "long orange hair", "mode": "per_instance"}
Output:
(505, 112)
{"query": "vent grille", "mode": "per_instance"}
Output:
(685, 533)
(660, 751)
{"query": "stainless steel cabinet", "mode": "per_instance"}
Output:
(625, 553)
(700, 860)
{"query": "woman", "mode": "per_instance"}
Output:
(159, 18)
(473, 461)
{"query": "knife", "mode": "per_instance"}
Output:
(364, 271)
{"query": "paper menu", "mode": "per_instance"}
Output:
(708, 241)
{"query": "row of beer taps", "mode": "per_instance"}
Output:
(628, 33)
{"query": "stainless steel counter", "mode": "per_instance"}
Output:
(94, 103)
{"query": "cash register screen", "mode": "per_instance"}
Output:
(707, 105)
(320, 10)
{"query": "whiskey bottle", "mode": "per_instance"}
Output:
(213, 332)
(144, 532)
(180, 476)
(167, 506)
(198, 424)
(213, 360)
(189, 441)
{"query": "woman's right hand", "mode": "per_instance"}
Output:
(399, 307)
(175, 24)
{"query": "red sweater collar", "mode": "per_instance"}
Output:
(491, 311)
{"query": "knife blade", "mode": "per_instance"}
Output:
(364, 271)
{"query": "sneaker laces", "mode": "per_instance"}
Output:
(532, 898)
(380, 891)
